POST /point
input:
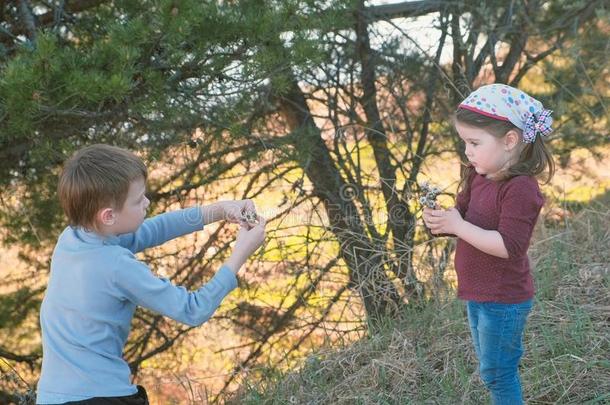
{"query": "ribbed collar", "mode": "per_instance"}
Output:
(95, 238)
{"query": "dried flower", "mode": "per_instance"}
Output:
(250, 217)
(430, 192)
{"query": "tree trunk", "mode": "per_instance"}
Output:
(400, 219)
(365, 264)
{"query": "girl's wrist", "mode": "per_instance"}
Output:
(459, 229)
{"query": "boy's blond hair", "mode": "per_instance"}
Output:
(96, 177)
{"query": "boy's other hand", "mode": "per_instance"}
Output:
(247, 242)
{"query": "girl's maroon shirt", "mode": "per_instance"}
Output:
(512, 208)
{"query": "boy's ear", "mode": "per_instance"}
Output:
(511, 139)
(106, 216)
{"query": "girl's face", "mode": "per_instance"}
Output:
(487, 153)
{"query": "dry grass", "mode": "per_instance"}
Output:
(427, 356)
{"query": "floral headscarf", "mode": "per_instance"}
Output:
(507, 103)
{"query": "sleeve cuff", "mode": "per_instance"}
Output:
(510, 250)
(226, 277)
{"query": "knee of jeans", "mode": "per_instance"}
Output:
(488, 376)
(498, 376)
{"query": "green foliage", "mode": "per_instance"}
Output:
(16, 306)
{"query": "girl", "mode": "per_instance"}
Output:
(496, 211)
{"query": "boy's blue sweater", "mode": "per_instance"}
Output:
(94, 287)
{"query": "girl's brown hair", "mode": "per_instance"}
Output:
(534, 158)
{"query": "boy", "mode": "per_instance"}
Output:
(96, 280)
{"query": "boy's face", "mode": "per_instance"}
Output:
(131, 215)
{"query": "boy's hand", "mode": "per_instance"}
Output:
(443, 221)
(241, 212)
(247, 242)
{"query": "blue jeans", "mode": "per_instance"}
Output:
(497, 334)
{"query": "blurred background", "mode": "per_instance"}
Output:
(328, 114)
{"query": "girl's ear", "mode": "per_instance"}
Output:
(106, 216)
(511, 139)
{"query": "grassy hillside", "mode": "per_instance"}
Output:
(427, 358)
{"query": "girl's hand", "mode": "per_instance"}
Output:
(241, 212)
(443, 221)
